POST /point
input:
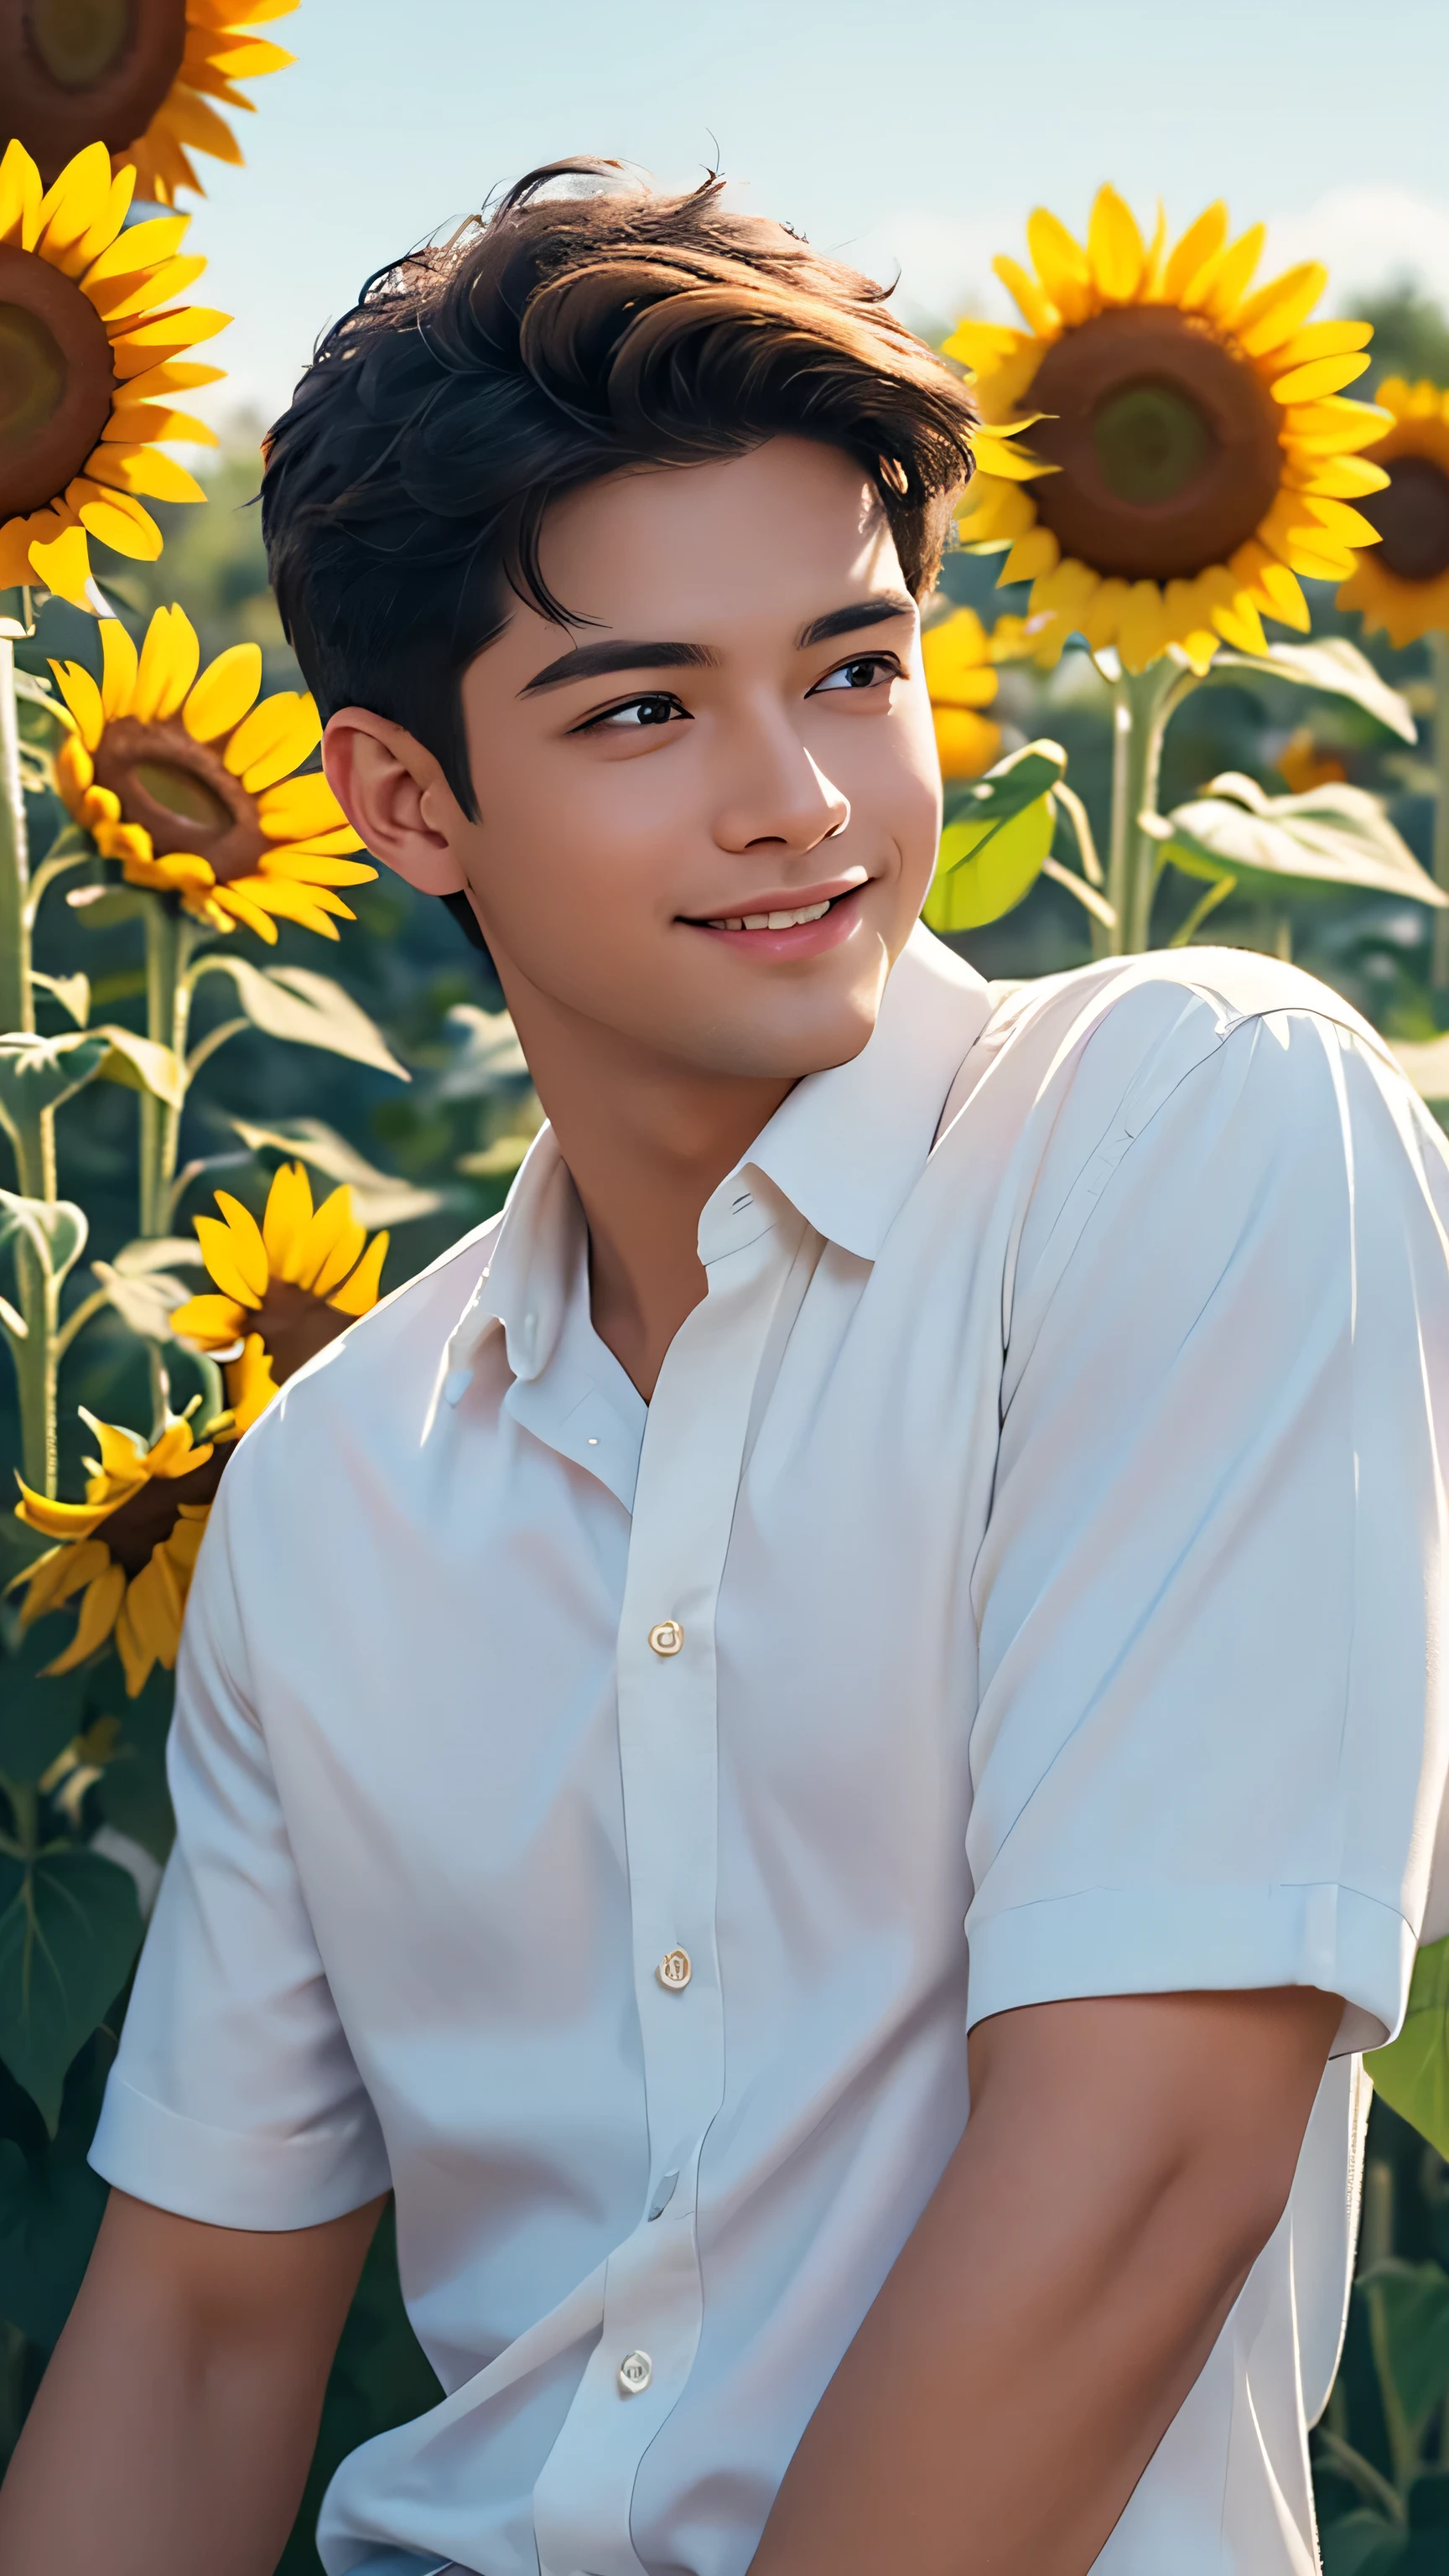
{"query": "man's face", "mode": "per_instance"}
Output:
(710, 804)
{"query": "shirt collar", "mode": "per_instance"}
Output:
(849, 1145)
(846, 1149)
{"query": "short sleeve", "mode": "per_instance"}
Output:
(234, 2097)
(1210, 1746)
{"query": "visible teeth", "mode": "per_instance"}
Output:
(776, 920)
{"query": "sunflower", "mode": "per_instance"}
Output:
(1191, 451)
(188, 783)
(91, 351)
(138, 73)
(956, 656)
(288, 1286)
(1404, 587)
(130, 1547)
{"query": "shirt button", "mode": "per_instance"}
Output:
(674, 1971)
(635, 2372)
(667, 1638)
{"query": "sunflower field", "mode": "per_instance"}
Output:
(1190, 672)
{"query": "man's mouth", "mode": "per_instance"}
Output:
(775, 920)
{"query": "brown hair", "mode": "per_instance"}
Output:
(585, 324)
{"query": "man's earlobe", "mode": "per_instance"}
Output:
(394, 794)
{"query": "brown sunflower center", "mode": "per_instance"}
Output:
(56, 381)
(149, 1515)
(1166, 445)
(1412, 518)
(182, 792)
(75, 70)
(294, 1326)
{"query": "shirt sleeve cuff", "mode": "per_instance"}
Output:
(229, 2180)
(1157, 1941)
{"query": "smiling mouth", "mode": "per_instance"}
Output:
(775, 920)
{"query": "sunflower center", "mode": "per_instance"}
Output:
(149, 1516)
(72, 71)
(56, 381)
(32, 375)
(294, 1326)
(1412, 518)
(80, 40)
(1165, 443)
(182, 793)
(1151, 442)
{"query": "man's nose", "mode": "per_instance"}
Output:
(777, 794)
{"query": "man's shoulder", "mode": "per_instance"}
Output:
(383, 1372)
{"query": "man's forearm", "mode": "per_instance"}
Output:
(1060, 2294)
(172, 2433)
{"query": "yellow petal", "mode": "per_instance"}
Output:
(1200, 243)
(1334, 427)
(1115, 248)
(1320, 376)
(64, 566)
(965, 743)
(297, 807)
(20, 198)
(248, 1252)
(994, 511)
(214, 1323)
(250, 1385)
(118, 522)
(1100, 616)
(51, 1583)
(169, 655)
(217, 1251)
(1224, 292)
(1068, 588)
(1241, 626)
(1011, 464)
(287, 1217)
(1037, 308)
(1271, 317)
(1032, 555)
(144, 471)
(224, 692)
(360, 1291)
(83, 699)
(140, 246)
(334, 1244)
(1141, 630)
(127, 299)
(1061, 264)
(97, 1618)
(1323, 340)
(982, 346)
(130, 422)
(1341, 478)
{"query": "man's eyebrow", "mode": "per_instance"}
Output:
(596, 661)
(881, 607)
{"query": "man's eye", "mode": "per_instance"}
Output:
(866, 672)
(659, 708)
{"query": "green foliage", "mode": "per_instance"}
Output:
(1412, 2073)
(1411, 333)
(992, 849)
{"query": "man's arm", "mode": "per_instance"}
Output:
(173, 2430)
(1124, 2163)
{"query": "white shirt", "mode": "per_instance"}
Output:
(1055, 1526)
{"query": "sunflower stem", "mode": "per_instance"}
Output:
(32, 1133)
(1140, 715)
(1439, 667)
(170, 939)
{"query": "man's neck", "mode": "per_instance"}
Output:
(647, 1141)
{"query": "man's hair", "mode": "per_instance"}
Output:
(588, 323)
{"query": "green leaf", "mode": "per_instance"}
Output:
(39, 1717)
(308, 1009)
(1333, 836)
(1412, 2073)
(73, 992)
(1413, 2299)
(102, 907)
(143, 1064)
(486, 1056)
(378, 1198)
(1337, 667)
(984, 869)
(51, 2205)
(56, 1229)
(39, 1073)
(1363, 2544)
(70, 1927)
(1015, 782)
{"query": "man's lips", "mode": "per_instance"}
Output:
(783, 909)
(791, 925)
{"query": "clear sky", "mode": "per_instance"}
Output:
(916, 133)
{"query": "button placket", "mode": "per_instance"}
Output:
(684, 1507)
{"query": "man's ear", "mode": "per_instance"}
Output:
(394, 794)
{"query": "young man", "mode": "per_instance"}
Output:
(903, 1572)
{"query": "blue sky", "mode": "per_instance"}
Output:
(916, 133)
